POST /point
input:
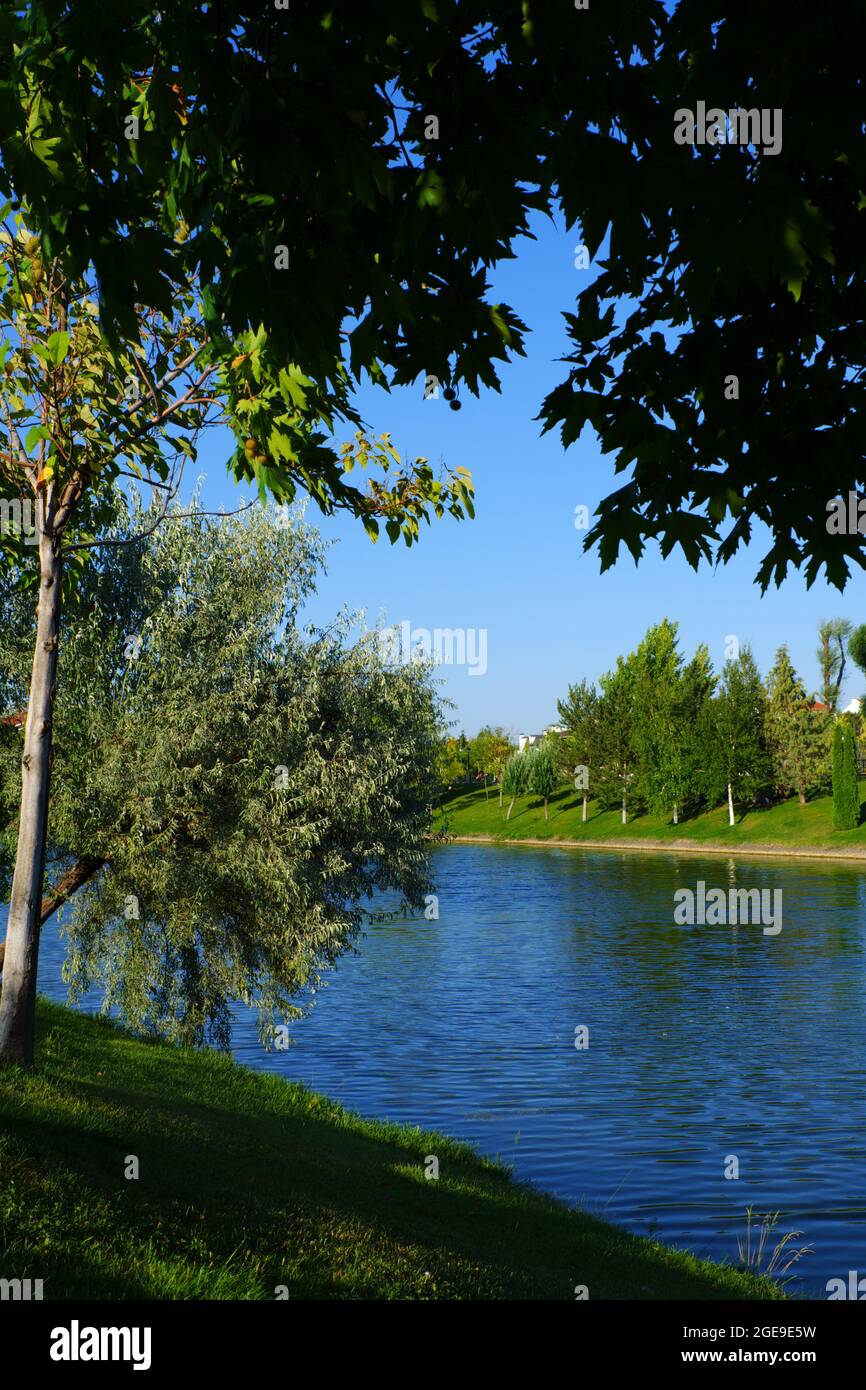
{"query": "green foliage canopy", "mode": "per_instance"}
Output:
(241, 785)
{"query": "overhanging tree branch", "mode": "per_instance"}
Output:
(81, 872)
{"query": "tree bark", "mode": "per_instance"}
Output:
(583, 817)
(545, 808)
(511, 808)
(730, 805)
(623, 809)
(676, 814)
(802, 796)
(18, 999)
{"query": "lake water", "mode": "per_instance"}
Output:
(705, 1042)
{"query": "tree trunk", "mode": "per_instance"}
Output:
(676, 814)
(583, 817)
(18, 999)
(730, 805)
(623, 809)
(802, 796)
(545, 808)
(511, 808)
(500, 796)
(81, 872)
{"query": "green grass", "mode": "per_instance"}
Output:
(785, 826)
(248, 1182)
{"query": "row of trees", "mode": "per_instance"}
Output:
(535, 771)
(670, 736)
(461, 759)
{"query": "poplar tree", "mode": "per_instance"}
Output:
(658, 715)
(617, 751)
(846, 788)
(696, 690)
(739, 767)
(580, 714)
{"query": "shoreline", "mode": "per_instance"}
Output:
(323, 1230)
(671, 846)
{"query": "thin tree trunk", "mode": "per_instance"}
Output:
(583, 817)
(676, 814)
(624, 818)
(81, 872)
(511, 808)
(500, 796)
(802, 796)
(18, 999)
(545, 808)
(730, 805)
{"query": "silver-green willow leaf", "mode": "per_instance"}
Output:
(247, 784)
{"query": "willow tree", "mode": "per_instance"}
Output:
(230, 787)
(79, 414)
(543, 773)
(515, 779)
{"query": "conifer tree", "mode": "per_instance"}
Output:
(846, 791)
(793, 731)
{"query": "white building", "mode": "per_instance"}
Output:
(525, 741)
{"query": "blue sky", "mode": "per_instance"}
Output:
(518, 570)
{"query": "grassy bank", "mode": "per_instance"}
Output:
(787, 826)
(248, 1182)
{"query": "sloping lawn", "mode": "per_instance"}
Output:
(787, 825)
(248, 1182)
